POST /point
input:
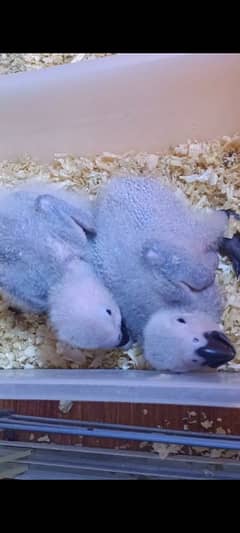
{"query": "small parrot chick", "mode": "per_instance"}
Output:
(44, 263)
(83, 312)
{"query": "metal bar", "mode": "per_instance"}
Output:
(147, 436)
(71, 462)
(120, 427)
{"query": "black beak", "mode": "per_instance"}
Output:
(125, 335)
(218, 350)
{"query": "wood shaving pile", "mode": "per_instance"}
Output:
(208, 173)
(170, 450)
(12, 63)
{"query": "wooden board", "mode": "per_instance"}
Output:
(175, 417)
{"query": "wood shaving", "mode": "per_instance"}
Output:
(165, 450)
(12, 63)
(65, 406)
(45, 438)
(221, 431)
(208, 173)
(170, 450)
(207, 424)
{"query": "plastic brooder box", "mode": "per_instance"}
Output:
(123, 102)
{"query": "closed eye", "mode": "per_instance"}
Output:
(192, 289)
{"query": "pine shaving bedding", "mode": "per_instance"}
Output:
(208, 173)
(11, 63)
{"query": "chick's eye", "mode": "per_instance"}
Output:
(109, 312)
(181, 320)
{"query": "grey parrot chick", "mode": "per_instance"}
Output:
(83, 313)
(44, 232)
(178, 341)
(154, 251)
